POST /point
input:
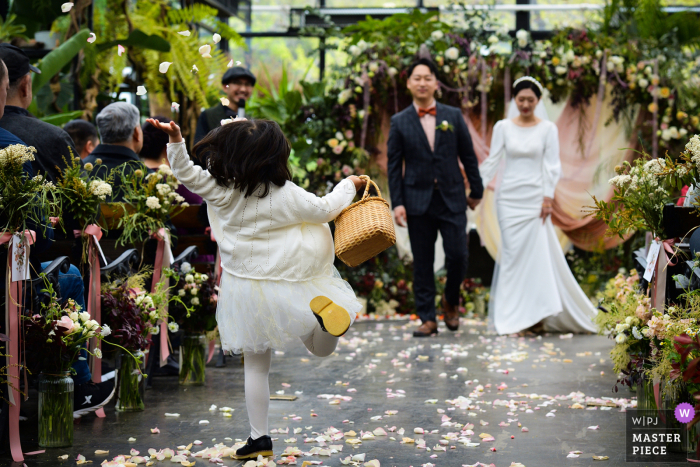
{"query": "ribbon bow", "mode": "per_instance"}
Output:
(164, 257)
(423, 112)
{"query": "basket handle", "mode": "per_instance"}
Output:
(369, 182)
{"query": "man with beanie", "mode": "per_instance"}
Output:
(238, 83)
(53, 145)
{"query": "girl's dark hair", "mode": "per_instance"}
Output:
(154, 139)
(246, 154)
(527, 85)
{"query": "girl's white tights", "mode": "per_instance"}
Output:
(257, 369)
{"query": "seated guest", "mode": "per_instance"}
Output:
(121, 140)
(154, 153)
(88, 396)
(53, 145)
(84, 135)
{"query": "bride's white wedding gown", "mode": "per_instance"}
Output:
(532, 280)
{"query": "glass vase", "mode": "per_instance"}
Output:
(645, 394)
(480, 305)
(193, 359)
(55, 410)
(131, 384)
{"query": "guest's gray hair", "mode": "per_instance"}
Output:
(117, 121)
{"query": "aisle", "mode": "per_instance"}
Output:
(383, 369)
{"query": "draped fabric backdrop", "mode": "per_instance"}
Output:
(589, 152)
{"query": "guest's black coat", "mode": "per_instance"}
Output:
(407, 142)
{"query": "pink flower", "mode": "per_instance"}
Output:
(664, 126)
(338, 149)
(64, 325)
(347, 170)
(320, 161)
(349, 134)
(351, 144)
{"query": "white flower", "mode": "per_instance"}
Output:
(193, 291)
(373, 67)
(621, 327)
(643, 83)
(344, 95)
(165, 169)
(189, 278)
(84, 316)
(105, 331)
(452, 53)
(204, 278)
(446, 68)
(620, 338)
(152, 202)
(186, 267)
(560, 70)
(521, 34)
(101, 189)
(195, 301)
(98, 353)
(392, 71)
(437, 35)
(354, 50)
(74, 316)
(693, 147)
(637, 335)
(182, 292)
(155, 330)
(173, 327)
(163, 189)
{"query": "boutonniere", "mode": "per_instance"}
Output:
(445, 125)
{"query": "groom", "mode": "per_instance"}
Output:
(429, 138)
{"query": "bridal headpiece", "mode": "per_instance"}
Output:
(528, 78)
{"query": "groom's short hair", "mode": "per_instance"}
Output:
(423, 61)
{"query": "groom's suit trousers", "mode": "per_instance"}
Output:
(422, 231)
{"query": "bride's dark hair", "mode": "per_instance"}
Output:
(525, 84)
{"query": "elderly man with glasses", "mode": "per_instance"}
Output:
(238, 83)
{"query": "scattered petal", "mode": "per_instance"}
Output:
(100, 452)
(600, 458)
(66, 7)
(205, 49)
(172, 414)
(225, 102)
(204, 422)
(163, 67)
(185, 33)
(216, 38)
(120, 49)
(155, 431)
(141, 91)
(92, 38)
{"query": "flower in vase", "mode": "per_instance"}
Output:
(621, 338)
(154, 331)
(337, 150)
(204, 278)
(88, 167)
(437, 35)
(189, 278)
(98, 353)
(152, 202)
(182, 292)
(195, 301)
(173, 327)
(65, 325)
(194, 291)
(105, 331)
(637, 335)
(84, 316)
(347, 170)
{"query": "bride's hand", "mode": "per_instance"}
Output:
(547, 208)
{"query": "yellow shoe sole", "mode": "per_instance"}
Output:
(253, 455)
(333, 319)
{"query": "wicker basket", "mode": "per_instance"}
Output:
(364, 229)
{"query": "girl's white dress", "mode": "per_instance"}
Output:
(276, 253)
(532, 281)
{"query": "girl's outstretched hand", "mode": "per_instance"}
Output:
(171, 129)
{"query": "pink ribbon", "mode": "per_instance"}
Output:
(13, 304)
(212, 345)
(163, 239)
(658, 288)
(94, 234)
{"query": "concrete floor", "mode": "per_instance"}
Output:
(375, 361)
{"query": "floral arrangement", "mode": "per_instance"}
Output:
(23, 199)
(386, 282)
(134, 315)
(626, 312)
(196, 313)
(82, 191)
(640, 192)
(685, 169)
(150, 199)
(58, 334)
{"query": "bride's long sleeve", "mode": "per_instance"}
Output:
(551, 164)
(490, 166)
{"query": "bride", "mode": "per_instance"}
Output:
(532, 288)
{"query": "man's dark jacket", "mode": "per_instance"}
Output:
(210, 119)
(50, 141)
(408, 143)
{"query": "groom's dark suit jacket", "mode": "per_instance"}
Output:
(407, 142)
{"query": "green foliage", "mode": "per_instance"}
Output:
(55, 60)
(36, 15)
(61, 119)
(140, 39)
(10, 30)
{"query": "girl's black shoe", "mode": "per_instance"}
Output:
(254, 448)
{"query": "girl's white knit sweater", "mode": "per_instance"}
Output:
(283, 236)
